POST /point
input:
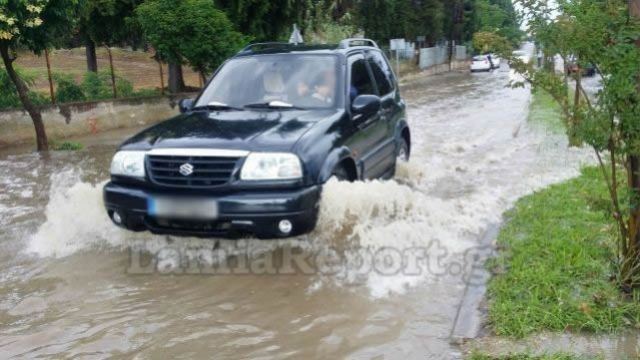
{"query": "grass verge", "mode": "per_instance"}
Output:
(544, 111)
(555, 264)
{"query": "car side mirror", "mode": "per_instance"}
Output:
(365, 106)
(185, 105)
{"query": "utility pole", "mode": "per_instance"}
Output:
(455, 33)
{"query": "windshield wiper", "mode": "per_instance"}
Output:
(272, 105)
(216, 105)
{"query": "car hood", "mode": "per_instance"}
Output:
(242, 130)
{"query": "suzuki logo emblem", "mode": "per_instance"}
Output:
(186, 169)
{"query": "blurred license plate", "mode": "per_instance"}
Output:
(183, 208)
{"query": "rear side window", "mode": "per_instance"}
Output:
(361, 83)
(381, 72)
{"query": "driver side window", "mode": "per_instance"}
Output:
(361, 82)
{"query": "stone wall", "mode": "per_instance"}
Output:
(67, 120)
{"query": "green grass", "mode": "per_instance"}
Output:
(524, 357)
(554, 268)
(67, 146)
(544, 111)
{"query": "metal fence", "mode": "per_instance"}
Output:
(440, 55)
(136, 73)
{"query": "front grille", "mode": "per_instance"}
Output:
(208, 171)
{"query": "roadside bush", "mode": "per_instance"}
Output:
(67, 90)
(9, 96)
(67, 146)
(97, 86)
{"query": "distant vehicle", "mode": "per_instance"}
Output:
(574, 67)
(480, 63)
(252, 153)
(497, 62)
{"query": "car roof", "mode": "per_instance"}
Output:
(344, 47)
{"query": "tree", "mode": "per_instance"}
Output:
(489, 42)
(604, 34)
(194, 31)
(262, 20)
(106, 22)
(34, 25)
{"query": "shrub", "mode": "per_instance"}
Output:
(67, 146)
(9, 96)
(67, 90)
(97, 86)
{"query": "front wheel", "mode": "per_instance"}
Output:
(402, 154)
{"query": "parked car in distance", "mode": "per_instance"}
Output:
(497, 62)
(586, 70)
(251, 153)
(480, 63)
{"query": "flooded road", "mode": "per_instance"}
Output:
(383, 275)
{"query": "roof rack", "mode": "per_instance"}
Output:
(346, 43)
(265, 46)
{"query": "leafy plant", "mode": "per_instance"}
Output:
(67, 90)
(67, 146)
(194, 31)
(97, 86)
(9, 96)
(605, 34)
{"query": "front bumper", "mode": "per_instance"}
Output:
(245, 212)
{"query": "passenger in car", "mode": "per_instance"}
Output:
(274, 87)
(324, 88)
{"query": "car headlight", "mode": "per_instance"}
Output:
(271, 166)
(128, 163)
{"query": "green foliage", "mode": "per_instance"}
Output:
(604, 34)
(97, 86)
(109, 21)
(9, 96)
(194, 31)
(323, 28)
(66, 89)
(35, 25)
(545, 113)
(437, 19)
(554, 270)
(265, 20)
(67, 146)
(499, 17)
(486, 42)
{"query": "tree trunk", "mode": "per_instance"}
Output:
(92, 59)
(634, 164)
(23, 94)
(176, 80)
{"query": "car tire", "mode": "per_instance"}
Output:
(402, 153)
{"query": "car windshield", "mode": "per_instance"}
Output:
(274, 81)
(479, 58)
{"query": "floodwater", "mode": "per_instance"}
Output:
(382, 276)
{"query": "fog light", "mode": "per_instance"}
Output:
(117, 218)
(285, 226)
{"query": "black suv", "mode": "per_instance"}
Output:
(251, 153)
